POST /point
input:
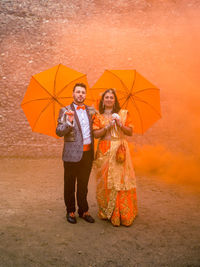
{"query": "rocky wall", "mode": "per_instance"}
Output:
(89, 36)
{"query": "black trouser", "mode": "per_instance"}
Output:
(80, 172)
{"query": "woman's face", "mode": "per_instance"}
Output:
(109, 100)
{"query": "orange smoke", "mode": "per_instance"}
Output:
(174, 155)
(157, 161)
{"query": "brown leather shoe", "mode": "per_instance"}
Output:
(87, 217)
(71, 218)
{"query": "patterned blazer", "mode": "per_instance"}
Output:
(73, 137)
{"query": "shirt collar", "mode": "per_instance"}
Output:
(75, 105)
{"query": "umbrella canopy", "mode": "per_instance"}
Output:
(47, 92)
(135, 93)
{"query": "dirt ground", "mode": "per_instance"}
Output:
(34, 231)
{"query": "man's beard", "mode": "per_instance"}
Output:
(80, 100)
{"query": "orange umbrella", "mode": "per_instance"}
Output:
(135, 94)
(47, 92)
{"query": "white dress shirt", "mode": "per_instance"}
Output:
(85, 125)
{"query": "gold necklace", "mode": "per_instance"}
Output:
(108, 112)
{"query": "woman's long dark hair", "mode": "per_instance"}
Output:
(116, 107)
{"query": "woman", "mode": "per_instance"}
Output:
(116, 185)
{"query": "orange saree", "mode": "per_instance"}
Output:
(116, 184)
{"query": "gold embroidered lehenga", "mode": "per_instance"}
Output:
(116, 183)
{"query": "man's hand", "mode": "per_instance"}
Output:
(70, 115)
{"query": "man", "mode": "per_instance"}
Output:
(75, 124)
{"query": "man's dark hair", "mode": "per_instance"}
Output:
(116, 107)
(81, 85)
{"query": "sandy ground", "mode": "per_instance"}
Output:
(34, 231)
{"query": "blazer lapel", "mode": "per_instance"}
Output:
(76, 118)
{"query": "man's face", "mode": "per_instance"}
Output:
(79, 95)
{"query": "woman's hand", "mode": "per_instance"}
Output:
(117, 119)
(111, 124)
(125, 129)
(118, 122)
